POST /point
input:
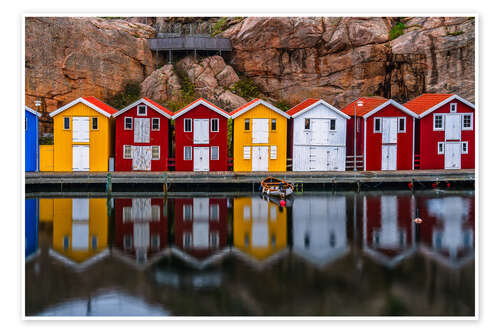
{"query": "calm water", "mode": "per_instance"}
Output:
(324, 254)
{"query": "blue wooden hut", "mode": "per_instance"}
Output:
(31, 155)
(31, 227)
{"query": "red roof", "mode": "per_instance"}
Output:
(196, 101)
(164, 109)
(369, 103)
(424, 102)
(301, 106)
(244, 106)
(100, 104)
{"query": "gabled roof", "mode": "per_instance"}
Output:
(372, 105)
(426, 103)
(250, 105)
(32, 111)
(91, 102)
(149, 102)
(309, 104)
(200, 101)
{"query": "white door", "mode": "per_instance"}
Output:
(389, 157)
(141, 130)
(201, 161)
(200, 222)
(319, 131)
(201, 131)
(452, 155)
(389, 235)
(452, 125)
(80, 225)
(260, 228)
(80, 158)
(141, 210)
(260, 156)
(260, 130)
(301, 158)
(81, 129)
(141, 157)
(389, 130)
(318, 159)
(336, 159)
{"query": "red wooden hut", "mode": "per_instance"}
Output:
(384, 134)
(444, 132)
(200, 228)
(201, 137)
(142, 137)
(141, 228)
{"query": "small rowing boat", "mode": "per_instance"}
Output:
(276, 186)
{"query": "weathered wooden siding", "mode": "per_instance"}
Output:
(243, 138)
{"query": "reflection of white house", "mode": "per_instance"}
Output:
(451, 236)
(319, 228)
(389, 236)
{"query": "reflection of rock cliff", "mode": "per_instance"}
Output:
(289, 59)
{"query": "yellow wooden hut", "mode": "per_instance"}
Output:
(83, 137)
(260, 137)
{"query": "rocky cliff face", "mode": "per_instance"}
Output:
(288, 58)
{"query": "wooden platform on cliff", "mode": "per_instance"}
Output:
(189, 43)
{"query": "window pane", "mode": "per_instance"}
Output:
(332, 124)
(402, 125)
(247, 124)
(66, 123)
(215, 153)
(215, 125)
(94, 123)
(142, 110)
(307, 124)
(377, 124)
(273, 124)
(156, 123)
(187, 125)
(187, 153)
(128, 123)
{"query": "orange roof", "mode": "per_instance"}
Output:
(301, 106)
(424, 102)
(100, 104)
(196, 101)
(244, 106)
(164, 109)
(369, 103)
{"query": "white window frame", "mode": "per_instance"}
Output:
(466, 150)
(213, 212)
(453, 107)
(190, 149)
(152, 153)
(273, 153)
(69, 123)
(434, 128)
(190, 125)
(92, 123)
(212, 149)
(152, 124)
(131, 124)
(211, 124)
(375, 125)
(440, 151)
(249, 155)
(187, 240)
(124, 155)
(471, 122)
(404, 130)
(142, 107)
(305, 122)
(334, 125)
(187, 209)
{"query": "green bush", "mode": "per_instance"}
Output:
(245, 88)
(456, 33)
(219, 26)
(397, 30)
(130, 94)
(282, 105)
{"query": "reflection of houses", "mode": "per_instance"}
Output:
(388, 228)
(141, 229)
(259, 229)
(200, 230)
(31, 228)
(447, 233)
(319, 228)
(80, 231)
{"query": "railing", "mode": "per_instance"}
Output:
(349, 162)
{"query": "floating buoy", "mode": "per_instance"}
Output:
(418, 220)
(282, 203)
(448, 184)
(434, 185)
(410, 186)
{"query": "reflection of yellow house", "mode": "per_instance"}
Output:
(259, 228)
(80, 230)
(46, 210)
(260, 137)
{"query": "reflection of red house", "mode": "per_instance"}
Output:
(447, 233)
(200, 228)
(141, 227)
(388, 234)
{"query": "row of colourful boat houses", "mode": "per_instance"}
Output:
(432, 131)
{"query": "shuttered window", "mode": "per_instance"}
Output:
(188, 153)
(274, 152)
(127, 152)
(214, 153)
(141, 130)
(155, 152)
(81, 129)
(246, 153)
(128, 123)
